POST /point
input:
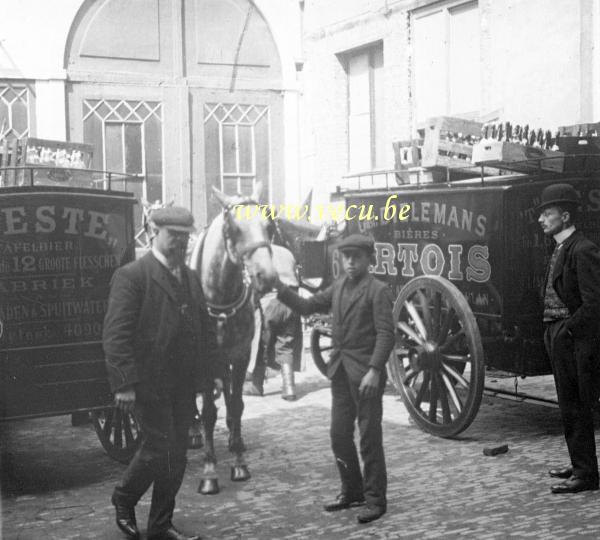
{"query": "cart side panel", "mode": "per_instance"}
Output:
(454, 233)
(527, 253)
(58, 251)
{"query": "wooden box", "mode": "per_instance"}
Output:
(582, 154)
(517, 157)
(446, 142)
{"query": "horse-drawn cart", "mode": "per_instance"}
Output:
(59, 246)
(466, 268)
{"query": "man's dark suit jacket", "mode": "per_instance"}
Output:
(576, 280)
(363, 336)
(141, 322)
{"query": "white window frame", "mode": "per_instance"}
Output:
(425, 11)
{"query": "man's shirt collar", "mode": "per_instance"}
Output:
(564, 234)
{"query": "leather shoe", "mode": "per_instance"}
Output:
(565, 472)
(575, 485)
(370, 513)
(125, 518)
(343, 501)
(173, 534)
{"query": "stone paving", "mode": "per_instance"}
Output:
(56, 480)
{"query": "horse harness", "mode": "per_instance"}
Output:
(223, 312)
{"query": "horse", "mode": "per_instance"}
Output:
(233, 261)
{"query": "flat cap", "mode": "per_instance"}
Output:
(357, 241)
(175, 218)
(557, 194)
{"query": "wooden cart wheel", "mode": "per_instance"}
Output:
(320, 345)
(118, 432)
(437, 364)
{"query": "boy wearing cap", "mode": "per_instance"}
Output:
(362, 340)
(159, 350)
(571, 295)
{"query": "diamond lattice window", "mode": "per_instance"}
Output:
(237, 146)
(16, 104)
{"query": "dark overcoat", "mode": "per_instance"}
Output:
(363, 335)
(576, 280)
(142, 320)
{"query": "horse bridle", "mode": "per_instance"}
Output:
(224, 312)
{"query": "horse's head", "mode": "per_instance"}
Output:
(246, 237)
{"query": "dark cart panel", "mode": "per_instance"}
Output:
(58, 250)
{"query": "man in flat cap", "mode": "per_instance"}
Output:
(362, 340)
(160, 352)
(571, 295)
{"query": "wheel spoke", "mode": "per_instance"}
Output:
(426, 311)
(108, 418)
(117, 429)
(410, 332)
(452, 339)
(128, 433)
(328, 348)
(465, 359)
(446, 323)
(433, 399)
(437, 314)
(409, 375)
(414, 315)
(456, 375)
(443, 400)
(401, 351)
(453, 395)
(422, 390)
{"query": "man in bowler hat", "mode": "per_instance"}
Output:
(160, 351)
(571, 295)
(363, 338)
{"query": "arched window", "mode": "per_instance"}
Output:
(186, 93)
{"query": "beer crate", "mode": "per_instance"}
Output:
(448, 142)
(517, 157)
(407, 153)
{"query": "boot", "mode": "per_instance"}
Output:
(288, 392)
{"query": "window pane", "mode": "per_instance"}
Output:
(465, 64)
(359, 147)
(247, 184)
(358, 84)
(92, 134)
(19, 117)
(229, 150)
(4, 124)
(230, 185)
(133, 149)
(245, 149)
(430, 66)
(114, 147)
(153, 154)
(378, 113)
(263, 152)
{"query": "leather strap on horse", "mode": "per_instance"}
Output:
(223, 312)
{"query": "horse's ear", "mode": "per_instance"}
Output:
(257, 191)
(223, 199)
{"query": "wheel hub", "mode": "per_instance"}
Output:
(426, 357)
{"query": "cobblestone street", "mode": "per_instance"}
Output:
(56, 479)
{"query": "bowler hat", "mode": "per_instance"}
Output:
(175, 218)
(558, 194)
(357, 241)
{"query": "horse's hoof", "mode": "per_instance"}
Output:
(240, 473)
(195, 441)
(209, 486)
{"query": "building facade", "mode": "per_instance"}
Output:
(294, 93)
(189, 94)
